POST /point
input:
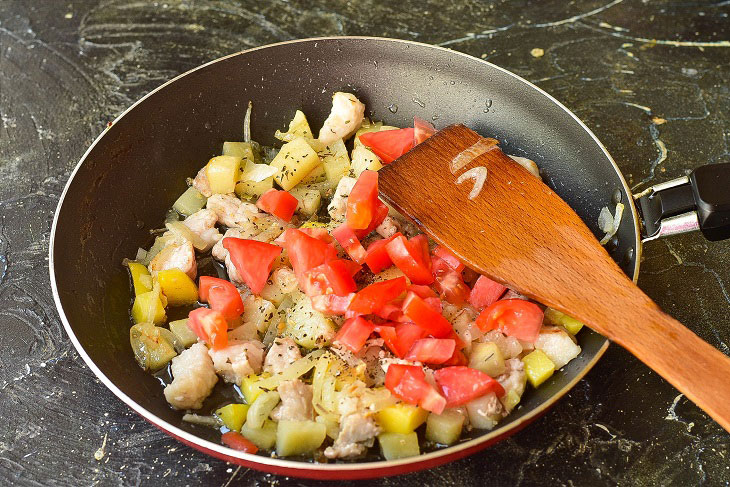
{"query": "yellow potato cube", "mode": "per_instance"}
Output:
(309, 199)
(295, 160)
(488, 358)
(233, 415)
(140, 278)
(444, 428)
(538, 367)
(299, 437)
(177, 287)
(401, 418)
(397, 445)
(555, 317)
(148, 308)
(363, 158)
(223, 173)
(183, 332)
(264, 437)
(250, 388)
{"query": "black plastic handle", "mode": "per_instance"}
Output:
(705, 192)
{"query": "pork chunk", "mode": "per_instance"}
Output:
(296, 402)
(193, 378)
(202, 184)
(357, 426)
(344, 119)
(202, 223)
(231, 211)
(282, 354)
(338, 206)
(177, 255)
(238, 360)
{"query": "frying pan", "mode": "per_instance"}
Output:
(135, 170)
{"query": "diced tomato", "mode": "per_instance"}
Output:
(318, 233)
(422, 291)
(434, 304)
(279, 203)
(458, 358)
(452, 287)
(408, 383)
(362, 201)
(380, 212)
(389, 336)
(485, 292)
(354, 333)
(419, 244)
(222, 296)
(238, 442)
(422, 130)
(408, 333)
(391, 312)
(349, 241)
(306, 252)
(513, 317)
(377, 257)
(389, 145)
(253, 260)
(210, 326)
(339, 274)
(426, 317)
(470, 276)
(331, 304)
(461, 384)
(408, 257)
(373, 297)
(314, 282)
(432, 350)
(450, 259)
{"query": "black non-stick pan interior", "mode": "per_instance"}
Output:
(135, 171)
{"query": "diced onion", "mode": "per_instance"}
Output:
(258, 172)
(479, 175)
(260, 409)
(212, 421)
(609, 224)
(294, 371)
(181, 230)
(528, 164)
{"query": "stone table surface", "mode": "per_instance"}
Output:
(649, 77)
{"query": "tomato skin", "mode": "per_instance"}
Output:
(460, 384)
(485, 292)
(278, 203)
(422, 292)
(221, 296)
(354, 333)
(210, 326)
(408, 383)
(253, 260)
(513, 317)
(339, 274)
(379, 214)
(318, 233)
(452, 287)
(450, 259)
(418, 311)
(422, 130)
(373, 297)
(458, 358)
(400, 338)
(346, 237)
(238, 442)
(331, 304)
(377, 258)
(306, 252)
(432, 350)
(362, 201)
(389, 145)
(408, 257)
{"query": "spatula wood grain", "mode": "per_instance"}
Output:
(519, 232)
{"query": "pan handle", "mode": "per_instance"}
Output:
(700, 201)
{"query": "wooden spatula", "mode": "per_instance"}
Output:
(519, 232)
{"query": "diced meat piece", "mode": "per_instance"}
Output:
(528, 164)
(344, 119)
(231, 211)
(296, 402)
(219, 252)
(238, 360)
(281, 354)
(388, 228)
(513, 378)
(465, 327)
(512, 294)
(366, 363)
(202, 223)
(193, 378)
(509, 346)
(202, 184)
(285, 278)
(357, 426)
(176, 255)
(232, 272)
(557, 344)
(338, 206)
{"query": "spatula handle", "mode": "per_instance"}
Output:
(695, 368)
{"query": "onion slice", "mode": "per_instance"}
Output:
(247, 123)
(258, 172)
(479, 175)
(470, 153)
(609, 223)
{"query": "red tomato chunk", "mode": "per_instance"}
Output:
(238, 442)
(354, 333)
(253, 260)
(279, 203)
(408, 383)
(462, 384)
(485, 292)
(389, 145)
(222, 296)
(210, 326)
(513, 317)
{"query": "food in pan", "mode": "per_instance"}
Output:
(286, 305)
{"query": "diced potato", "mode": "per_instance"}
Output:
(264, 437)
(307, 327)
(141, 278)
(316, 175)
(557, 344)
(295, 160)
(239, 149)
(333, 427)
(177, 287)
(538, 367)
(336, 162)
(444, 428)
(189, 202)
(363, 158)
(250, 388)
(259, 311)
(299, 437)
(272, 292)
(148, 308)
(299, 127)
(309, 199)
(401, 418)
(396, 445)
(183, 332)
(233, 415)
(152, 345)
(510, 400)
(252, 189)
(488, 358)
(558, 318)
(223, 173)
(484, 412)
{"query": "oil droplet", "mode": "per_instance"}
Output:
(393, 108)
(375, 63)
(488, 105)
(452, 82)
(616, 198)
(419, 102)
(435, 117)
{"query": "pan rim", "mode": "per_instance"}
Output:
(293, 465)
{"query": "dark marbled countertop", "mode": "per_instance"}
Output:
(649, 77)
